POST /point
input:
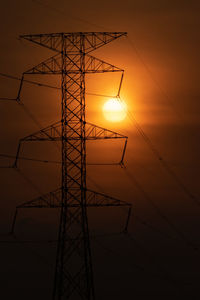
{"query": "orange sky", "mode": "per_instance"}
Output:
(160, 57)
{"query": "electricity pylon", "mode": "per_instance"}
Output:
(73, 272)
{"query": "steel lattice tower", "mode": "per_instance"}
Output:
(72, 61)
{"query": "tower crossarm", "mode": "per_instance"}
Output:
(53, 65)
(48, 200)
(95, 199)
(94, 132)
(96, 65)
(93, 40)
(53, 133)
(49, 133)
(53, 199)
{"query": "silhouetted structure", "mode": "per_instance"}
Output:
(73, 273)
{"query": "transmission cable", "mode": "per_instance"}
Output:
(60, 12)
(151, 227)
(28, 180)
(149, 142)
(148, 70)
(160, 232)
(6, 167)
(22, 105)
(31, 116)
(162, 275)
(167, 168)
(31, 159)
(148, 199)
(28, 81)
(138, 218)
(163, 162)
(52, 241)
(157, 154)
(178, 284)
(34, 252)
(46, 86)
(51, 161)
(7, 99)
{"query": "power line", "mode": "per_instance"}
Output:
(31, 116)
(163, 162)
(7, 99)
(162, 275)
(50, 7)
(157, 84)
(53, 241)
(46, 161)
(44, 85)
(149, 142)
(99, 95)
(148, 199)
(143, 222)
(152, 228)
(35, 253)
(6, 167)
(29, 81)
(141, 132)
(152, 148)
(28, 180)
(27, 243)
(31, 159)
(166, 275)
(51, 161)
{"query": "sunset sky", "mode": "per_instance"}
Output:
(159, 258)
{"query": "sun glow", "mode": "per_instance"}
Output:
(114, 110)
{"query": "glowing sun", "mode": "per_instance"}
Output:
(114, 110)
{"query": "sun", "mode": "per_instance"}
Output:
(114, 110)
